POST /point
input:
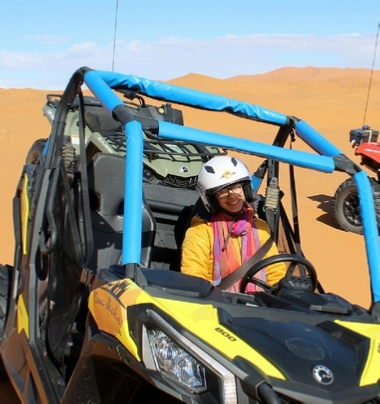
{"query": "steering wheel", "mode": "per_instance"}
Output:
(306, 280)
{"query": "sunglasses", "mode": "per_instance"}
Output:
(223, 193)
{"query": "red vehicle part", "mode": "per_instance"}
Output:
(370, 155)
(346, 201)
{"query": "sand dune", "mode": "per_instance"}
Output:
(331, 100)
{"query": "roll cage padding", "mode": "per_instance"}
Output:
(101, 84)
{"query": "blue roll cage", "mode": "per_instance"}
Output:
(327, 159)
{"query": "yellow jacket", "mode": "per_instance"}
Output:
(198, 251)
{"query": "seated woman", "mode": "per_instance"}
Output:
(229, 233)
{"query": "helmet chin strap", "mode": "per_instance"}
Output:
(229, 233)
(234, 215)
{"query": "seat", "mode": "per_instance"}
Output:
(106, 175)
(171, 208)
(99, 120)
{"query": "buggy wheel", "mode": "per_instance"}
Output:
(5, 286)
(346, 206)
(35, 151)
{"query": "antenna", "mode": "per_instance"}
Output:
(114, 35)
(370, 80)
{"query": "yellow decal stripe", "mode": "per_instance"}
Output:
(371, 372)
(22, 317)
(110, 314)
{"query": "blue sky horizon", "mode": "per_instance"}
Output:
(42, 44)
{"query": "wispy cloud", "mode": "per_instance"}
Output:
(171, 57)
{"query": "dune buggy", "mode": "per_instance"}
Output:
(346, 198)
(96, 309)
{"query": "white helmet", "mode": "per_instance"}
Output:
(219, 172)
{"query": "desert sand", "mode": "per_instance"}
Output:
(331, 100)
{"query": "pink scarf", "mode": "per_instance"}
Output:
(227, 258)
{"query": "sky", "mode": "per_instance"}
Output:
(42, 43)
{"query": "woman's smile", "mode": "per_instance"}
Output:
(234, 203)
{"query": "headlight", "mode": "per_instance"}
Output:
(175, 363)
(188, 367)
